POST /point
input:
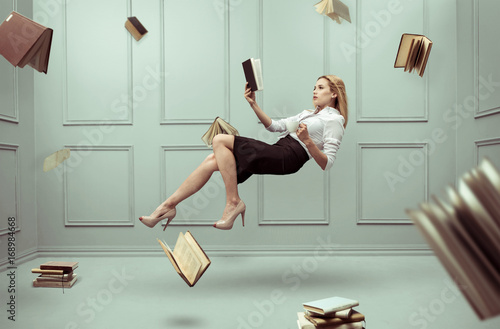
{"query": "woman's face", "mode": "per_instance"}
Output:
(322, 95)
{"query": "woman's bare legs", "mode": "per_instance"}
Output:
(190, 186)
(223, 149)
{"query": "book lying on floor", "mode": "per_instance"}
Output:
(56, 274)
(335, 9)
(330, 305)
(253, 74)
(23, 41)
(188, 258)
(134, 26)
(304, 323)
(413, 53)
(464, 233)
(219, 126)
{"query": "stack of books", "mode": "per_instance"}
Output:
(331, 313)
(55, 274)
(464, 232)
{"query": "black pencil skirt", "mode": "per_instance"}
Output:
(252, 156)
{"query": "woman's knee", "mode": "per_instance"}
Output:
(223, 140)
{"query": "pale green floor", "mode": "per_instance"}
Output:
(240, 292)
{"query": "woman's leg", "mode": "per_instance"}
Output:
(191, 185)
(223, 150)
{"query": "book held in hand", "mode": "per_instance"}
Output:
(188, 258)
(464, 232)
(413, 53)
(219, 126)
(253, 74)
(23, 41)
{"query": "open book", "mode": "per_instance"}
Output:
(253, 74)
(188, 258)
(413, 53)
(23, 41)
(219, 126)
(335, 9)
(465, 235)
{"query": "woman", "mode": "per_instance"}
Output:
(237, 158)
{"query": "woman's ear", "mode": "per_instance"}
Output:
(334, 95)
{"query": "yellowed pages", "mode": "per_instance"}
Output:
(205, 261)
(55, 159)
(188, 261)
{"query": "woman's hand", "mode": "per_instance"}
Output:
(302, 133)
(249, 95)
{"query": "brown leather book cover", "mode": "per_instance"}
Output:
(328, 322)
(23, 41)
(134, 26)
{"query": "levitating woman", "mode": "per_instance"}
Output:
(318, 136)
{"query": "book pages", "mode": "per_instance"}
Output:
(198, 251)
(187, 260)
(55, 159)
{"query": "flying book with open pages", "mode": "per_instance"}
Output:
(23, 41)
(219, 126)
(253, 74)
(188, 258)
(413, 53)
(335, 9)
(464, 233)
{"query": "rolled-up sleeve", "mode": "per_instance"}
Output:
(280, 125)
(332, 136)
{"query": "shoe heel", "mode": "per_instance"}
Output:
(243, 217)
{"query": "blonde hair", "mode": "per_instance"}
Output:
(337, 86)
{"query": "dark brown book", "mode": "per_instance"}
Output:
(23, 41)
(413, 53)
(253, 74)
(134, 26)
(66, 267)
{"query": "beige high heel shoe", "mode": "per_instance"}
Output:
(227, 224)
(151, 222)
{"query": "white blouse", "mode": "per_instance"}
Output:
(325, 128)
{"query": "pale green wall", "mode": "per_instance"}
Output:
(17, 152)
(399, 146)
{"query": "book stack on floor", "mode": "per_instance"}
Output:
(331, 313)
(55, 274)
(464, 232)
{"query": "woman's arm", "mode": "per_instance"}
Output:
(250, 97)
(320, 157)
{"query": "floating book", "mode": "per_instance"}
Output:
(55, 159)
(464, 233)
(253, 74)
(23, 41)
(135, 28)
(188, 258)
(335, 9)
(413, 53)
(219, 126)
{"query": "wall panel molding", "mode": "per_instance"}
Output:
(120, 100)
(483, 143)
(359, 94)
(85, 150)
(360, 219)
(14, 116)
(16, 188)
(477, 96)
(164, 119)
